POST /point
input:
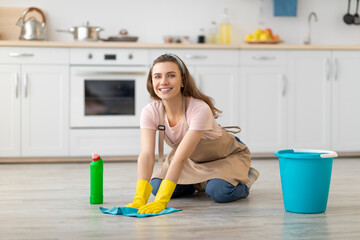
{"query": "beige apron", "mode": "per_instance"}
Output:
(223, 158)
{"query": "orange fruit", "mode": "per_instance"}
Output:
(268, 31)
(276, 37)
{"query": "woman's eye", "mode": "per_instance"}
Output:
(172, 75)
(156, 77)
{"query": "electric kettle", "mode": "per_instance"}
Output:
(31, 29)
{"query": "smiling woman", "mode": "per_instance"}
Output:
(205, 157)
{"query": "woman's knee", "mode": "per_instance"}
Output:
(217, 190)
(222, 191)
(155, 183)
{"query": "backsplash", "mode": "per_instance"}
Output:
(152, 20)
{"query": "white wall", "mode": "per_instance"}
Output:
(151, 20)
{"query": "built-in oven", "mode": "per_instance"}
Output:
(108, 88)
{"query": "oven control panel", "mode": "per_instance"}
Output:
(127, 57)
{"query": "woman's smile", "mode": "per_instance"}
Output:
(165, 89)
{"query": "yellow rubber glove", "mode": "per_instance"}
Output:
(143, 191)
(162, 198)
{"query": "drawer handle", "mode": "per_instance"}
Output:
(14, 54)
(263, 58)
(195, 57)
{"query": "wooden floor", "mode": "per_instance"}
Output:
(51, 201)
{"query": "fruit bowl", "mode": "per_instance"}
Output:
(270, 41)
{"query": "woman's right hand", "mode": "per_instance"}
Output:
(146, 163)
(136, 204)
(143, 191)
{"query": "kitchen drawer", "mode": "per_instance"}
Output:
(202, 57)
(93, 56)
(107, 142)
(34, 55)
(263, 57)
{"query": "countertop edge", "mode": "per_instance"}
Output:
(240, 46)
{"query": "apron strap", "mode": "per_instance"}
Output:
(161, 128)
(238, 129)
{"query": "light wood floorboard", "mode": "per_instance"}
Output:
(51, 201)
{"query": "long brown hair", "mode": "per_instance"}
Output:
(189, 89)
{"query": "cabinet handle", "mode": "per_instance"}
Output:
(263, 58)
(283, 79)
(327, 69)
(25, 85)
(195, 57)
(335, 69)
(16, 85)
(15, 54)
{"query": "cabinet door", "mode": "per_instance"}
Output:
(310, 101)
(346, 101)
(10, 110)
(263, 108)
(45, 121)
(220, 83)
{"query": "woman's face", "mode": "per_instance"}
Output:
(166, 79)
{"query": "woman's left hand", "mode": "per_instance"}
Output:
(162, 198)
(153, 207)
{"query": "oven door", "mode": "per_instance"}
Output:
(110, 96)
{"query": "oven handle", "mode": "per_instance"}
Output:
(87, 72)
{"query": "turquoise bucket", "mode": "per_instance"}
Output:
(305, 179)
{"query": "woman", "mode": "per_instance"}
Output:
(204, 155)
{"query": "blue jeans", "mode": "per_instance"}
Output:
(219, 190)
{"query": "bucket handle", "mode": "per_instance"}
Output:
(327, 154)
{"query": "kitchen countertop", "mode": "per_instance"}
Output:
(282, 46)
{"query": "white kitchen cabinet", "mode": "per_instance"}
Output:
(216, 75)
(325, 103)
(346, 101)
(263, 102)
(310, 99)
(45, 115)
(34, 100)
(10, 110)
